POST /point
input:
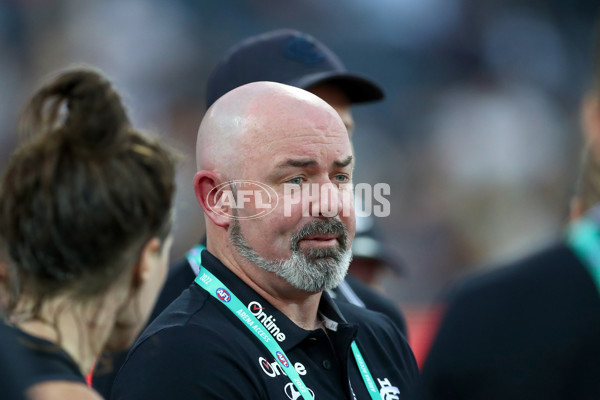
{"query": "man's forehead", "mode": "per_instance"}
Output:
(297, 107)
(297, 138)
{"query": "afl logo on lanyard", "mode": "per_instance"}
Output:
(282, 358)
(223, 295)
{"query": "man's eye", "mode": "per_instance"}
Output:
(296, 180)
(342, 178)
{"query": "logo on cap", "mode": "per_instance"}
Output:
(301, 49)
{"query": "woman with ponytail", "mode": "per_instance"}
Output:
(85, 220)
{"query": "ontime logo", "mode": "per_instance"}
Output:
(267, 320)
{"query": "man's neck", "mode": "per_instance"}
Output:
(298, 305)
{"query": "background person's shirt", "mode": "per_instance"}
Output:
(37, 360)
(526, 331)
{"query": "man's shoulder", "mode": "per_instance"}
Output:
(184, 339)
(552, 271)
(194, 311)
(195, 359)
(502, 325)
(534, 295)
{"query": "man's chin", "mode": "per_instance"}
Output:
(322, 253)
(312, 288)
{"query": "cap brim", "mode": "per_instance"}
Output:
(367, 247)
(386, 260)
(357, 88)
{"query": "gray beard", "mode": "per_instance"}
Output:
(313, 271)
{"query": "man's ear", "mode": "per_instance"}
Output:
(590, 122)
(214, 196)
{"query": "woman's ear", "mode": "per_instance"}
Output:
(215, 197)
(148, 262)
(148, 277)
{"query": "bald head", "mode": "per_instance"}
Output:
(254, 115)
(259, 146)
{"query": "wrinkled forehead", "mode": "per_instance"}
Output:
(274, 120)
(293, 149)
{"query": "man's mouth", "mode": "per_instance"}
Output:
(330, 235)
(320, 240)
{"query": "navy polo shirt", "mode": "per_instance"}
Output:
(198, 349)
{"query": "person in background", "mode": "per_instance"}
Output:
(85, 221)
(371, 257)
(371, 260)
(530, 329)
(14, 366)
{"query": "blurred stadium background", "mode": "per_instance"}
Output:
(478, 136)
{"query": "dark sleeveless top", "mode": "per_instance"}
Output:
(47, 361)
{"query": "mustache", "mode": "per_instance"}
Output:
(328, 226)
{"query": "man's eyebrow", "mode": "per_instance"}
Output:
(297, 163)
(312, 162)
(343, 163)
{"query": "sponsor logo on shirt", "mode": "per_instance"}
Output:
(293, 393)
(273, 369)
(266, 367)
(267, 320)
(387, 391)
(282, 359)
(223, 295)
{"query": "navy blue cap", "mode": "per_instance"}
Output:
(290, 57)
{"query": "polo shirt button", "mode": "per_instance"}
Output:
(326, 364)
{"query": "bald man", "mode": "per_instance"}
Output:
(257, 324)
(298, 59)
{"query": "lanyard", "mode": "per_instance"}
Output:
(583, 237)
(219, 291)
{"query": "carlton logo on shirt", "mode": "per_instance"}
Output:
(267, 320)
(387, 391)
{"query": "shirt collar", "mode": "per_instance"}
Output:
(284, 330)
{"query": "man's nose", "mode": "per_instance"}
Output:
(328, 202)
